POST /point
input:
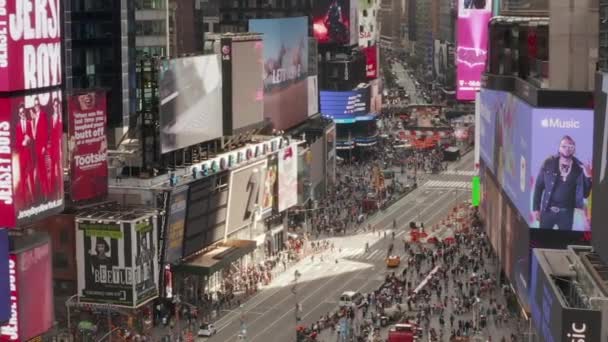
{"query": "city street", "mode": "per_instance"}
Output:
(405, 80)
(270, 316)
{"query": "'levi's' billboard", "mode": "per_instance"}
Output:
(30, 53)
(88, 145)
(31, 173)
(471, 54)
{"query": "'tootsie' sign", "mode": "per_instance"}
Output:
(30, 44)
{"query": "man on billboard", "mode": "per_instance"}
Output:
(336, 29)
(42, 161)
(562, 185)
(24, 147)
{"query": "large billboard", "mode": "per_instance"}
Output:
(30, 55)
(117, 262)
(371, 61)
(88, 145)
(313, 95)
(190, 101)
(345, 104)
(335, 22)
(5, 303)
(247, 83)
(541, 158)
(288, 177)
(600, 176)
(31, 286)
(176, 221)
(206, 214)
(246, 194)
(31, 173)
(472, 41)
(285, 69)
(369, 32)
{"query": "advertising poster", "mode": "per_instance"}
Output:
(88, 145)
(105, 263)
(271, 183)
(288, 177)
(5, 302)
(30, 56)
(30, 158)
(561, 169)
(175, 225)
(333, 22)
(544, 305)
(584, 325)
(375, 102)
(247, 85)
(345, 104)
(600, 176)
(10, 330)
(313, 95)
(371, 61)
(285, 69)
(369, 34)
(190, 91)
(246, 193)
(472, 41)
(304, 172)
(146, 270)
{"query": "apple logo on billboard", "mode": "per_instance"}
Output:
(559, 123)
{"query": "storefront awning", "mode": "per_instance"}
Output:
(218, 258)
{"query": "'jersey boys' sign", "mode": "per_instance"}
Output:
(30, 44)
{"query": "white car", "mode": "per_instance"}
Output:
(207, 330)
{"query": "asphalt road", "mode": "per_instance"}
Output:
(270, 315)
(404, 80)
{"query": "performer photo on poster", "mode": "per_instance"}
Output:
(37, 154)
(146, 273)
(562, 185)
(88, 145)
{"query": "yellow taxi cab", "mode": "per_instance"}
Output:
(393, 261)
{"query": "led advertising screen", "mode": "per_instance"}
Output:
(178, 203)
(490, 103)
(371, 61)
(30, 158)
(88, 144)
(246, 193)
(285, 69)
(600, 167)
(30, 54)
(288, 177)
(345, 104)
(530, 148)
(247, 85)
(544, 305)
(581, 325)
(5, 303)
(10, 330)
(335, 22)
(270, 200)
(117, 262)
(369, 34)
(472, 41)
(313, 95)
(190, 101)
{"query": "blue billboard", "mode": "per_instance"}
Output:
(490, 100)
(345, 104)
(544, 304)
(285, 72)
(5, 304)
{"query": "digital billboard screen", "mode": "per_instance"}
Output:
(190, 91)
(541, 158)
(30, 53)
(600, 176)
(247, 84)
(246, 194)
(471, 50)
(288, 177)
(285, 73)
(30, 157)
(371, 61)
(544, 304)
(176, 221)
(335, 22)
(345, 104)
(88, 144)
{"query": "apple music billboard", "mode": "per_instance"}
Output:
(472, 46)
(30, 44)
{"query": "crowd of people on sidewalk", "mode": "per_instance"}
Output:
(448, 290)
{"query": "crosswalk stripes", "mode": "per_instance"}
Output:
(460, 172)
(448, 184)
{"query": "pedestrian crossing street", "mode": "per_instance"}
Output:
(460, 172)
(448, 184)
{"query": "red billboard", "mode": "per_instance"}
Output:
(31, 172)
(371, 61)
(88, 143)
(31, 294)
(30, 44)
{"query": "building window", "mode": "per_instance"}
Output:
(150, 28)
(206, 27)
(150, 4)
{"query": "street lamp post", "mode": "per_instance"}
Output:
(297, 308)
